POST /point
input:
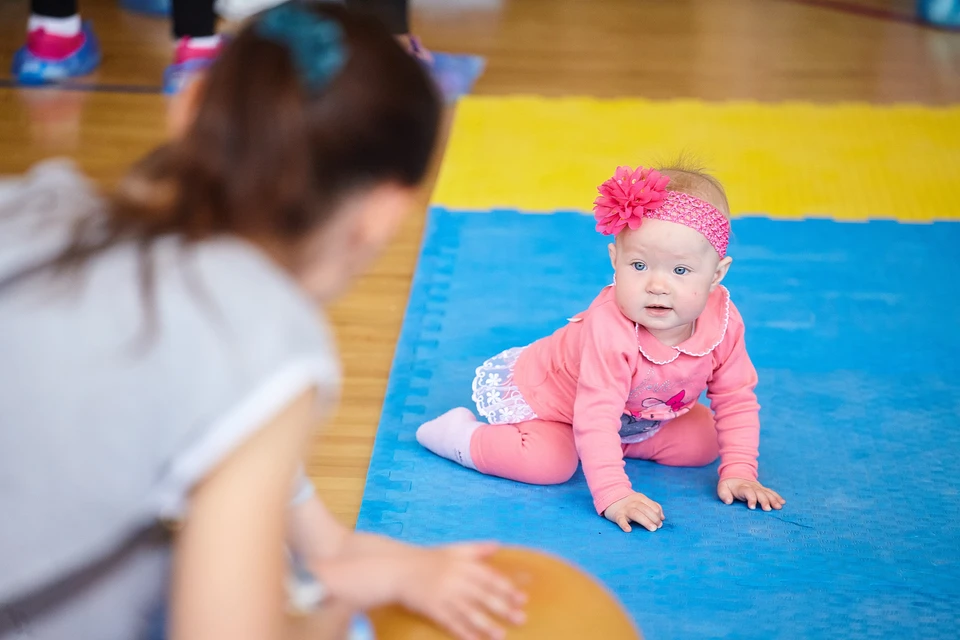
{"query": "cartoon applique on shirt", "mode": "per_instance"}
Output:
(637, 426)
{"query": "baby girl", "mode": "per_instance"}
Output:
(623, 378)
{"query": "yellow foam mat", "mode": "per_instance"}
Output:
(790, 160)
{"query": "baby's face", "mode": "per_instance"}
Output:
(665, 273)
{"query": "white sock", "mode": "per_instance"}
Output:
(449, 435)
(206, 42)
(64, 27)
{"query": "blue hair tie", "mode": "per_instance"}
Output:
(315, 42)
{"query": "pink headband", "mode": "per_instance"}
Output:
(632, 195)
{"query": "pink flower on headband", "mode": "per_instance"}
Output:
(626, 196)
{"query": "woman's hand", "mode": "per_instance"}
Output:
(457, 590)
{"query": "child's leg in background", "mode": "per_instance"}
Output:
(53, 8)
(58, 46)
(193, 19)
(198, 45)
(535, 452)
(687, 441)
(195, 30)
(394, 14)
(53, 30)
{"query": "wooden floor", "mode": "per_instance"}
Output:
(768, 50)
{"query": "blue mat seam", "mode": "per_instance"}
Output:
(427, 297)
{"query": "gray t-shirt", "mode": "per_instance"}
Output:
(110, 411)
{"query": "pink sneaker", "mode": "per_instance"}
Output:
(49, 58)
(185, 52)
(188, 61)
(49, 46)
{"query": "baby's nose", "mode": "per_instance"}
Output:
(656, 286)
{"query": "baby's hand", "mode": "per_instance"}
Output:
(635, 508)
(751, 492)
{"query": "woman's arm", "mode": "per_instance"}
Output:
(316, 535)
(451, 585)
(229, 561)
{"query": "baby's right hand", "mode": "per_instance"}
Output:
(635, 508)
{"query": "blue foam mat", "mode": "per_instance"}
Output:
(854, 331)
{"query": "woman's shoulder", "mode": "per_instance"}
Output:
(38, 209)
(255, 303)
(51, 186)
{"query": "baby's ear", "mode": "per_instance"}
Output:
(721, 272)
(612, 250)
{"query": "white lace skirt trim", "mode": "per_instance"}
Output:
(496, 394)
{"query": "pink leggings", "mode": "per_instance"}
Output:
(543, 452)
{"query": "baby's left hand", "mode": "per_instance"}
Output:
(751, 492)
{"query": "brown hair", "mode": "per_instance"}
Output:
(267, 158)
(687, 176)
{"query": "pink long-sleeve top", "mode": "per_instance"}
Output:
(601, 365)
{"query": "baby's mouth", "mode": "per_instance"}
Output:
(657, 310)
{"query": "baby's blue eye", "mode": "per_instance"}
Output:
(681, 271)
(639, 266)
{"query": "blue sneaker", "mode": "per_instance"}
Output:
(941, 13)
(158, 8)
(47, 58)
(177, 75)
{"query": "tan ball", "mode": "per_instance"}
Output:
(563, 603)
